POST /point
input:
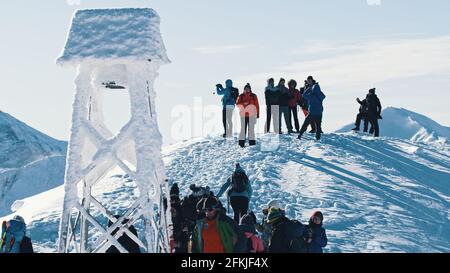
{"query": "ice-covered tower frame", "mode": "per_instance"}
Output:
(123, 46)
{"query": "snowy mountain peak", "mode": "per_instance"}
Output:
(30, 161)
(20, 144)
(406, 124)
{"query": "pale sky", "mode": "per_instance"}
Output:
(402, 47)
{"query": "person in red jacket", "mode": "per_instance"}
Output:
(295, 97)
(248, 106)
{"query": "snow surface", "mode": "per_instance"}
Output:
(406, 124)
(123, 35)
(30, 162)
(384, 195)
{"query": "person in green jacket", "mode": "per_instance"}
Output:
(216, 233)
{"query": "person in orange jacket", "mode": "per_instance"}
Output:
(248, 106)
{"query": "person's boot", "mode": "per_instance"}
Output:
(300, 136)
(252, 142)
(356, 129)
(312, 131)
(224, 135)
(242, 143)
(318, 136)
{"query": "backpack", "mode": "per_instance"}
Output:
(234, 93)
(296, 239)
(239, 182)
(12, 235)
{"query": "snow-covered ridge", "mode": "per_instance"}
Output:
(385, 195)
(406, 124)
(30, 161)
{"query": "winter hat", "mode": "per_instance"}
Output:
(174, 190)
(273, 215)
(310, 78)
(247, 86)
(317, 214)
(19, 218)
(238, 168)
(228, 83)
(211, 202)
(372, 91)
(292, 83)
(274, 203)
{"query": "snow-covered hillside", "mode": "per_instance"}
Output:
(405, 124)
(30, 162)
(384, 195)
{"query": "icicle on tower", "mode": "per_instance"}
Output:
(114, 50)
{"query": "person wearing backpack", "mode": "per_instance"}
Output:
(254, 244)
(316, 235)
(249, 110)
(314, 95)
(239, 192)
(272, 106)
(13, 237)
(288, 236)
(373, 112)
(229, 96)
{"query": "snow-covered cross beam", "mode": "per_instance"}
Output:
(122, 48)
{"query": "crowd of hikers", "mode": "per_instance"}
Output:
(282, 105)
(201, 224)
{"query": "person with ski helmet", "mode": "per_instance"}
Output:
(239, 192)
(314, 95)
(216, 232)
(248, 106)
(229, 96)
(264, 228)
(316, 235)
(13, 237)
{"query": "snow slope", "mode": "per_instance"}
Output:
(405, 124)
(30, 161)
(385, 195)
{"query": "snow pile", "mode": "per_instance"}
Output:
(30, 162)
(118, 35)
(405, 124)
(387, 195)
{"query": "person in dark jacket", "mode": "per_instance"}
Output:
(189, 206)
(129, 244)
(281, 239)
(229, 96)
(316, 235)
(284, 98)
(239, 198)
(180, 239)
(294, 100)
(373, 112)
(216, 232)
(272, 105)
(362, 115)
(17, 227)
(314, 95)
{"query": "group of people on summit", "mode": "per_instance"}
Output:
(201, 224)
(282, 104)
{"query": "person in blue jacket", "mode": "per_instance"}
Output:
(314, 96)
(239, 192)
(229, 96)
(316, 235)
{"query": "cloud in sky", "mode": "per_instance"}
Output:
(223, 49)
(373, 2)
(73, 2)
(363, 63)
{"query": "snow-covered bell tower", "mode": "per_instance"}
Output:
(115, 49)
